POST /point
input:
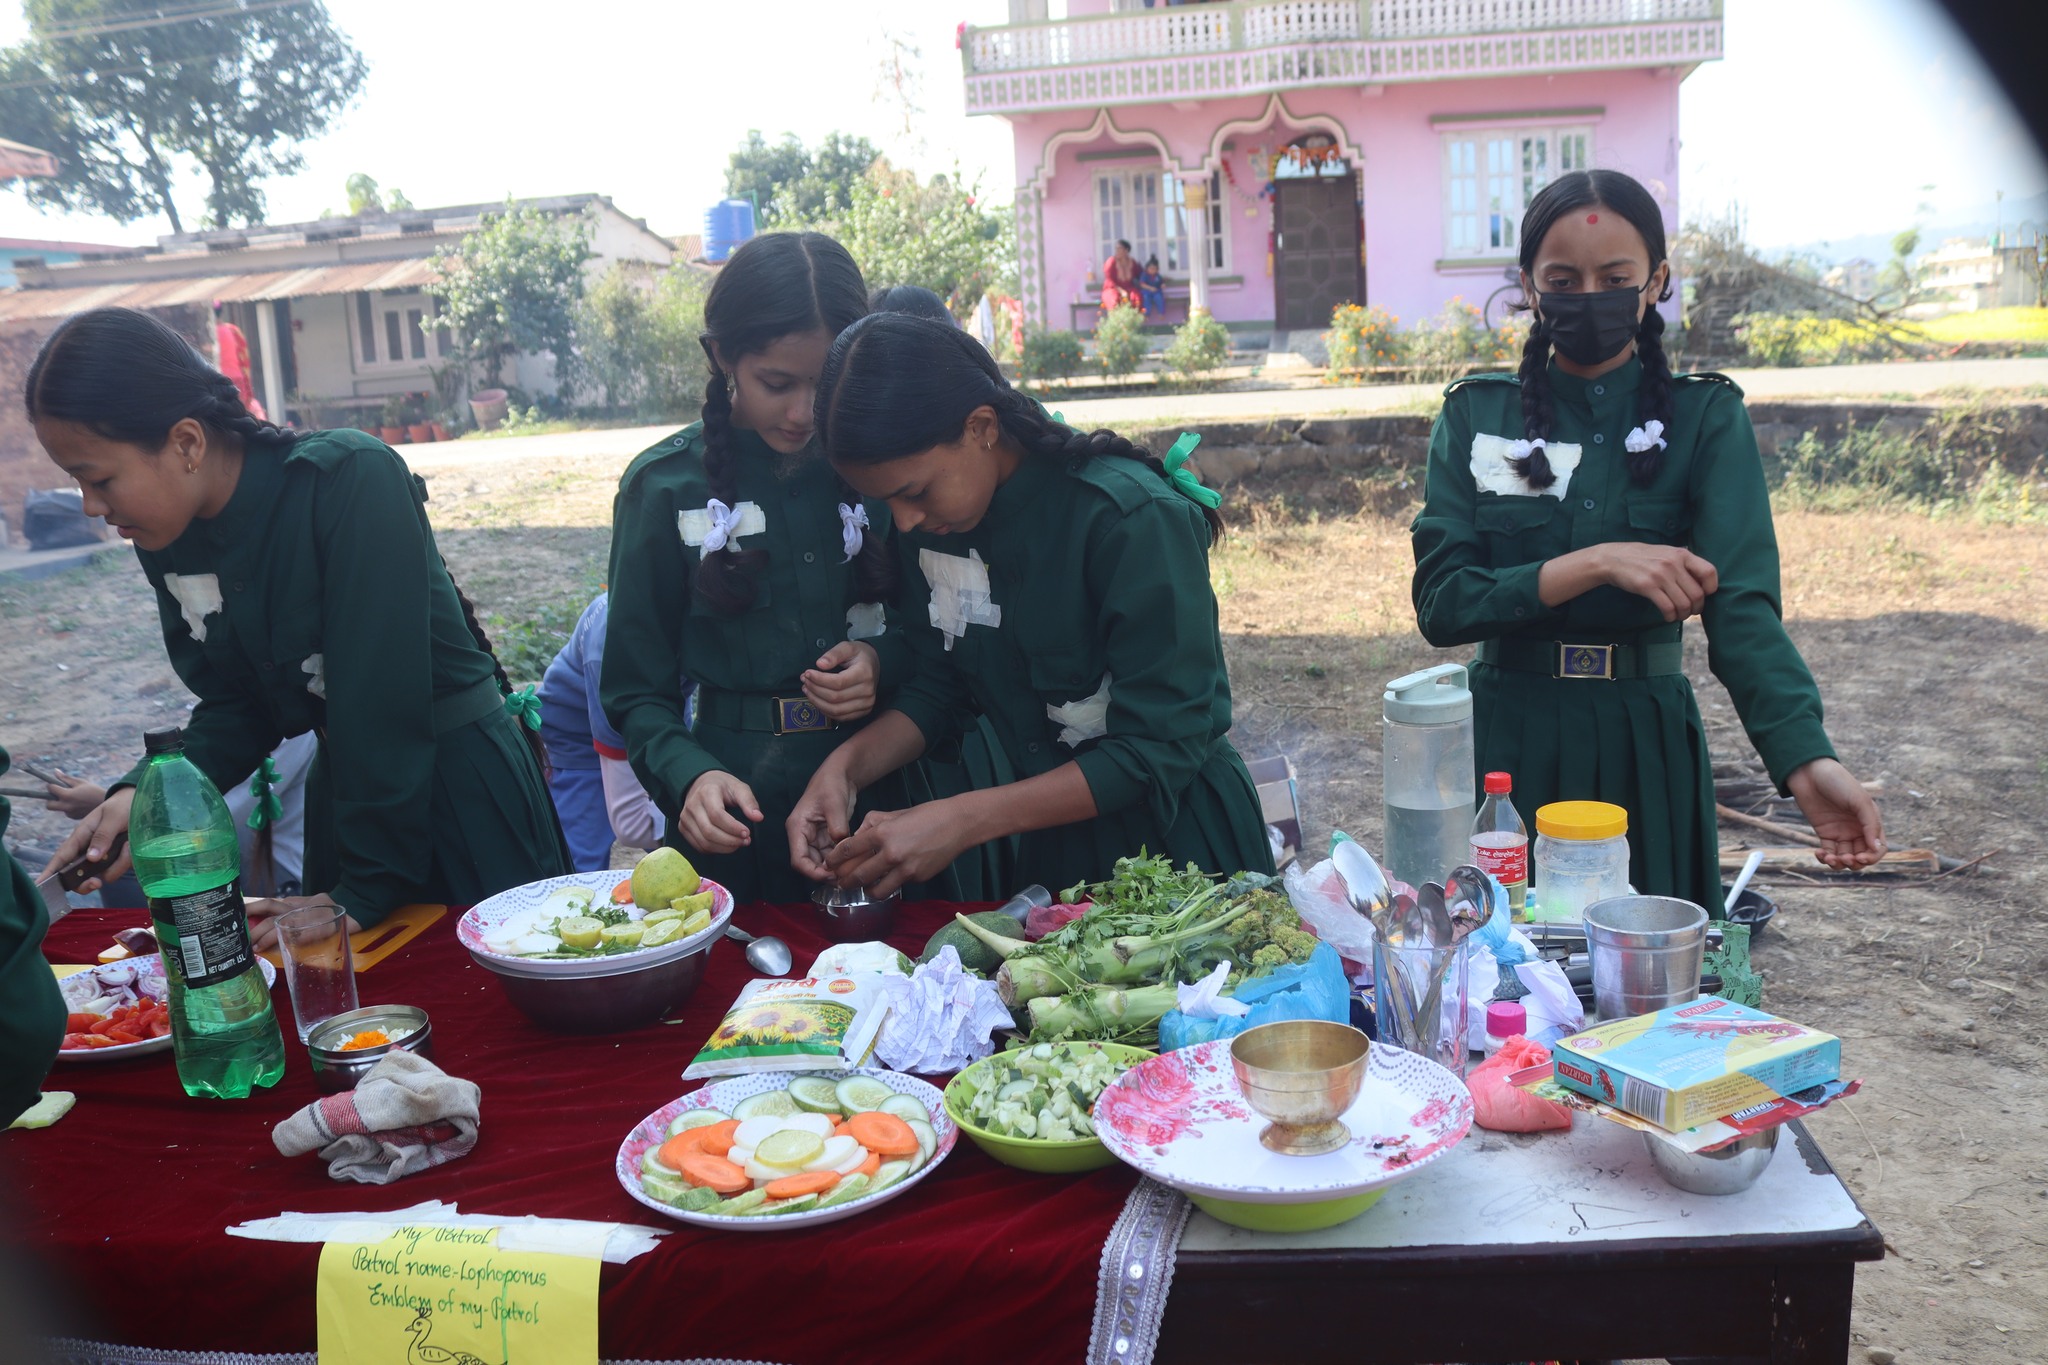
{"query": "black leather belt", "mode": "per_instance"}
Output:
(1569, 659)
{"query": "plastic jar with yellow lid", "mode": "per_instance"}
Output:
(1581, 856)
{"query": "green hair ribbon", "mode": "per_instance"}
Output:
(524, 707)
(267, 809)
(1184, 481)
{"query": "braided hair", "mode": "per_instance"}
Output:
(895, 385)
(776, 285)
(128, 377)
(1617, 193)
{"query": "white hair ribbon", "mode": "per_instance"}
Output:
(724, 521)
(1650, 433)
(1522, 450)
(853, 521)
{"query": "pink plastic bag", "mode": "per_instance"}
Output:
(1502, 1107)
(1043, 919)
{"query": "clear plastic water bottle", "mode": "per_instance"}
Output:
(1500, 842)
(1427, 773)
(223, 1030)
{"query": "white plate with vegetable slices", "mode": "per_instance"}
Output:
(779, 1128)
(517, 926)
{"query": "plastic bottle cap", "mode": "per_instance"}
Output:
(1581, 820)
(1499, 784)
(1506, 1019)
(165, 741)
(1435, 696)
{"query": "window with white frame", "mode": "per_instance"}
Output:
(1490, 175)
(1148, 208)
(400, 328)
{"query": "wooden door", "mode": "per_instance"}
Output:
(1316, 260)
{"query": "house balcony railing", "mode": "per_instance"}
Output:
(1213, 51)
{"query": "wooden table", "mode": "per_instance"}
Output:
(1544, 1246)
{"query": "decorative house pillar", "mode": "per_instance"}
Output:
(1197, 195)
(1031, 283)
(272, 378)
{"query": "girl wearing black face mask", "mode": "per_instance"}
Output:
(1575, 515)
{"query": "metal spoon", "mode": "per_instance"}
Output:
(768, 955)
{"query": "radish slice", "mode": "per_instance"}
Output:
(810, 1123)
(853, 1162)
(834, 1156)
(753, 1132)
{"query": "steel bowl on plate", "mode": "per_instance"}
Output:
(848, 916)
(336, 1070)
(616, 993)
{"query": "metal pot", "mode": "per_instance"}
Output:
(605, 999)
(850, 917)
(335, 1070)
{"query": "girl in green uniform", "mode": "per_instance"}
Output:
(300, 589)
(31, 1007)
(1061, 582)
(1576, 515)
(741, 565)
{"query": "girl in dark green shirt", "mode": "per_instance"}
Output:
(31, 1007)
(1057, 581)
(300, 589)
(1575, 516)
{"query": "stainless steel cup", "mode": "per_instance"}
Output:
(1646, 953)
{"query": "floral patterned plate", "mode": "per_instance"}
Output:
(1181, 1119)
(146, 976)
(479, 920)
(723, 1095)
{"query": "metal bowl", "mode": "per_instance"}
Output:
(1753, 908)
(1725, 1170)
(335, 1070)
(623, 993)
(848, 916)
(1302, 1074)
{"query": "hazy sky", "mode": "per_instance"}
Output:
(1825, 120)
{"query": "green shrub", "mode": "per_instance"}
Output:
(1362, 338)
(1444, 347)
(1787, 339)
(1199, 345)
(1120, 340)
(639, 338)
(1049, 355)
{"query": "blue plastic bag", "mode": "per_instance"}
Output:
(1314, 989)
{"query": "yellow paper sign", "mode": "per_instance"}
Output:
(450, 1295)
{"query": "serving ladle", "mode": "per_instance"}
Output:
(768, 955)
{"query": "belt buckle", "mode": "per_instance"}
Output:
(797, 715)
(1585, 661)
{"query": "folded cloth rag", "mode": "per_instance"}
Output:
(405, 1115)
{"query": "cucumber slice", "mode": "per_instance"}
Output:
(1016, 1090)
(789, 1149)
(927, 1139)
(695, 1118)
(891, 1173)
(652, 1164)
(858, 1094)
(845, 1192)
(815, 1094)
(740, 1203)
(767, 1104)
(905, 1107)
(699, 1200)
(803, 1203)
(669, 1189)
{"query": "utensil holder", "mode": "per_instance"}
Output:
(1419, 1000)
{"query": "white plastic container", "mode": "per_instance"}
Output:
(1428, 775)
(1581, 856)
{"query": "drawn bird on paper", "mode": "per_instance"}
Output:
(422, 1353)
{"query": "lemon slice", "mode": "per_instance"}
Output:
(579, 931)
(789, 1149)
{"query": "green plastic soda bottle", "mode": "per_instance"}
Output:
(223, 1030)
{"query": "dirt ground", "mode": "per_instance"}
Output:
(1928, 638)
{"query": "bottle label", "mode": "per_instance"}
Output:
(1506, 863)
(213, 933)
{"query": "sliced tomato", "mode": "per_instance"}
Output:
(79, 1023)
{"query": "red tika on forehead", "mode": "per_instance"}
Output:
(1592, 217)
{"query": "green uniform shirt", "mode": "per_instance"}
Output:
(31, 1007)
(318, 600)
(1478, 553)
(1097, 586)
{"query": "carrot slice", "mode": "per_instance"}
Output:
(884, 1133)
(683, 1145)
(870, 1166)
(808, 1182)
(622, 894)
(715, 1173)
(716, 1138)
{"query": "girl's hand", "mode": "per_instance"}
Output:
(92, 836)
(1841, 813)
(823, 816)
(1675, 580)
(263, 914)
(893, 847)
(706, 819)
(75, 798)
(843, 683)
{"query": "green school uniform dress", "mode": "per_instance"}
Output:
(748, 715)
(1078, 617)
(31, 1008)
(318, 600)
(1635, 740)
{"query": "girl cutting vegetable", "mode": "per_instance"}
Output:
(1576, 514)
(1060, 582)
(300, 589)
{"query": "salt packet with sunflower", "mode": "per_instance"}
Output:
(816, 1021)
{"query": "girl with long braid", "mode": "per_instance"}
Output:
(1059, 582)
(300, 589)
(1575, 515)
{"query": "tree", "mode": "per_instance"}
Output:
(637, 335)
(129, 96)
(365, 195)
(1896, 284)
(935, 234)
(516, 284)
(791, 184)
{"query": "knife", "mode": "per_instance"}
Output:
(54, 899)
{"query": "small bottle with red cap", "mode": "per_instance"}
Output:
(1500, 842)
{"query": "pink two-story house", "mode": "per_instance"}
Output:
(1282, 157)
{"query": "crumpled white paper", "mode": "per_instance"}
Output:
(1205, 999)
(960, 593)
(1083, 720)
(1642, 438)
(1491, 470)
(617, 1243)
(198, 597)
(940, 1017)
(865, 621)
(697, 524)
(846, 959)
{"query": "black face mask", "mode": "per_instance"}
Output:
(1591, 329)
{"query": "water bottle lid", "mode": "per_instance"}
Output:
(1499, 784)
(1506, 1019)
(1435, 696)
(168, 740)
(1581, 820)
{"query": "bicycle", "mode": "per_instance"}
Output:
(1499, 307)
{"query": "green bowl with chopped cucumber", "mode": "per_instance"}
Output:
(1055, 1085)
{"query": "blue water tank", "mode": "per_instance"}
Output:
(726, 224)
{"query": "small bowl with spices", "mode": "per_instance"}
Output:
(345, 1047)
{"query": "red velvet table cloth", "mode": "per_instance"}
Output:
(125, 1200)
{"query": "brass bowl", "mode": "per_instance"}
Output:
(1302, 1074)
